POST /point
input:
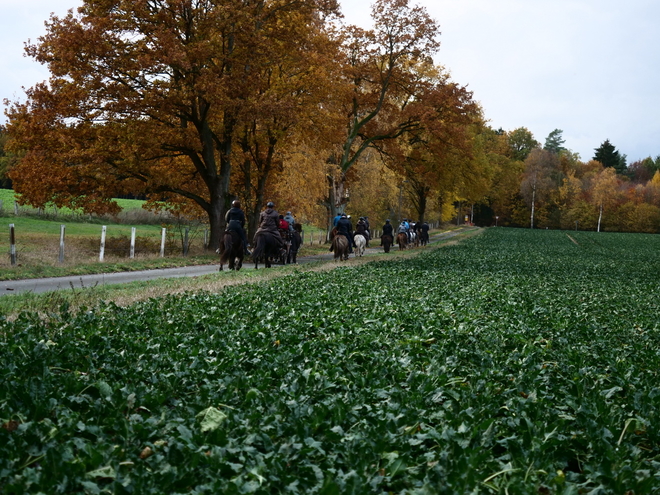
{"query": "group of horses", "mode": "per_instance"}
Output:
(340, 244)
(266, 250)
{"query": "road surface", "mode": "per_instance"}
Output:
(39, 285)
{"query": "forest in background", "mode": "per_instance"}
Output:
(193, 104)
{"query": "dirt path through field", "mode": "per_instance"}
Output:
(324, 261)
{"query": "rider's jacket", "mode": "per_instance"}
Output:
(269, 220)
(235, 218)
(388, 229)
(344, 226)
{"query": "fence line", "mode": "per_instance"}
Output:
(62, 230)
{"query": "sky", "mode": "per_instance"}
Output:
(588, 67)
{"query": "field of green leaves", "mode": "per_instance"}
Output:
(514, 362)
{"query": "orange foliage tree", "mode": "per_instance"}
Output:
(380, 79)
(147, 96)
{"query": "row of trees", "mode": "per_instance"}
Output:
(192, 103)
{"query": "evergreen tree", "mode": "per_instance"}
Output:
(554, 142)
(610, 157)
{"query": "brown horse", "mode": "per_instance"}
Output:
(231, 250)
(402, 241)
(387, 242)
(266, 247)
(340, 247)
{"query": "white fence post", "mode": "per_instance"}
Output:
(132, 253)
(16, 208)
(162, 243)
(102, 252)
(62, 230)
(12, 244)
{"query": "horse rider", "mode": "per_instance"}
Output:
(425, 230)
(235, 220)
(387, 230)
(290, 220)
(345, 228)
(282, 224)
(361, 228)
(402, 229)
(336, 219)
(268, 222)
(407, 225)
(368, 234)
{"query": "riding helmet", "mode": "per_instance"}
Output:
(236, 203)
(270, 204)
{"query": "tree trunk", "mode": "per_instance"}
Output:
(533, 199)
(336, 197)
(600, 216)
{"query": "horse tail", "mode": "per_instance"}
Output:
(259, 246)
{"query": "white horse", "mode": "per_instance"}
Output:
(360, 244)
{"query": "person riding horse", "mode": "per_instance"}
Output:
(387, 230)
(269, 223)
(235, 220)
(344, 228)
(361, 228)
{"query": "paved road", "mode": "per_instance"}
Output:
(38, 285)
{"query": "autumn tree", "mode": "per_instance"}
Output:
(7, 160)
(521, 142)
(381, 79)
(540, 178)
(604, 191)
(437, 155)
(148, 96)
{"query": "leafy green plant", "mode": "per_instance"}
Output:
(514, 362)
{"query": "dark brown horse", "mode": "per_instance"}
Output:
(266, 248)
(402, 241)
(387, 241)
(296, 243)
(231, 250)
(340, 247)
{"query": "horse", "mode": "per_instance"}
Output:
(265, 248)
(340, 247)
(287, 237)
(424, 238)
(360, 244)
(414, 239)
(296, 242)
(402, 240)
(387, 242)
(231, 250)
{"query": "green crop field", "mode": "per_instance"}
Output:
(513, 362)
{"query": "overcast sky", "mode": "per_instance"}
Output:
(588, 67)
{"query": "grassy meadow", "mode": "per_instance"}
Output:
(516, 361)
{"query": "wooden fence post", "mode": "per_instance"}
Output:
(62, 230)
(102, 252)
(132, 251)
(206, 239)
(162, 242)
(12, 244)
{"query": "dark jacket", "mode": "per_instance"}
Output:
(387, 229)
(344, 226)
(269, 220)
(235, 219)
